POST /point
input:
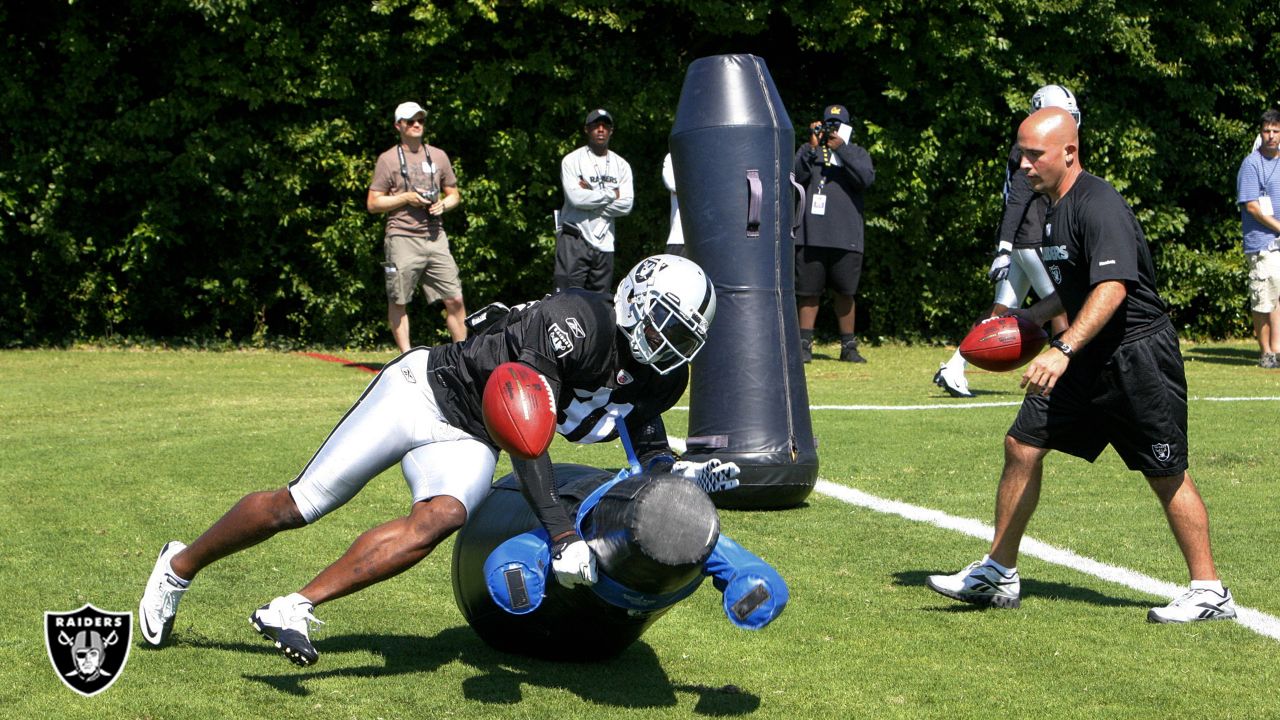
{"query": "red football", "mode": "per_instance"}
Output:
(519, 411)
(1003, 343)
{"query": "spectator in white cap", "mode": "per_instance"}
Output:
(597, 189)
(413, 183)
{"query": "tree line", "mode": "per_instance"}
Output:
(195, 170)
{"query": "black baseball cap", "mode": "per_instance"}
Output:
(837, 112)
(599, 115)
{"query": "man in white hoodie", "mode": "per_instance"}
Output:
(597, 189)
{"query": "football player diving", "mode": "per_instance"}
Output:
(607, 360)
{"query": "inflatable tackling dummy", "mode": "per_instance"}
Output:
(732, 148)
(655, 537)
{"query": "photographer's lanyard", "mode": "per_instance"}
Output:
(819, 206)
(427, 167)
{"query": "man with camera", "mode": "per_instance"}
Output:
(413, 183)
(597, 188)
(829, 247)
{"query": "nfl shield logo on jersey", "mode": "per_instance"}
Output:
(88, 647)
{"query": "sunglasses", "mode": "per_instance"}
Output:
(416, 121)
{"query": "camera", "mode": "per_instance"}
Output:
(429, 195)
(827, 127)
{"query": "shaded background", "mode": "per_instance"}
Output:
(196, 171)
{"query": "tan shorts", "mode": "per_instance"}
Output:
(413, 260)
(1264, 280)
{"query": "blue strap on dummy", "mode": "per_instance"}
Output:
(754, 593)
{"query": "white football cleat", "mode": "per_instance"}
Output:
(1196, 604)
(159, 605)
(286, 622)
(953, 381)
(979, 584)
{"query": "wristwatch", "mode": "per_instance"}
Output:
(1063, 348)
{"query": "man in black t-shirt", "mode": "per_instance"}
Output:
(1114, 377)
(607, 361)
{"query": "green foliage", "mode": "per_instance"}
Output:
(197, 168)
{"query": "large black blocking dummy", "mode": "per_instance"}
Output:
(731, 148)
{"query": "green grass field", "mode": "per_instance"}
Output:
(105, 455)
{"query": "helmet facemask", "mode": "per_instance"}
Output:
(664, 338)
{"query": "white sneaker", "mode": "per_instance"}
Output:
(159, 604)
(979, 584)
(953, 381)
(1196, 604)
(286, 621)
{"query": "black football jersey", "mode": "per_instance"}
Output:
(572, 339)
(1092, 236)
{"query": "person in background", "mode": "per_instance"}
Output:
(413, 185)
(1017, 267)
(1258, 194)
(829, 247)
(675, 236)
(597, 189)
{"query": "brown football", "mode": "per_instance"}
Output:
(1003, 343)
(519, 411)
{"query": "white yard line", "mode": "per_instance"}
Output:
(960, 405)
(1255, 620)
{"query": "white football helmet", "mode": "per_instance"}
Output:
(1056, 96)
(664, 307)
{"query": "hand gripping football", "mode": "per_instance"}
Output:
(519, 411)
(1002, 343)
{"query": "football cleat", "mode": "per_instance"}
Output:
(1196, 604)
(286, 622)
(953, 381)
(806, 351)
(979, 584)
(159, 605)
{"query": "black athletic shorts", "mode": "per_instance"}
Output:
(818, 268)
(1135, 400)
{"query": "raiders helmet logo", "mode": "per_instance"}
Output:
(1056, 273)
(88, 647)
(1162, 451)
(645, 270)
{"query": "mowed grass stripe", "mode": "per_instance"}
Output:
(1255, 620)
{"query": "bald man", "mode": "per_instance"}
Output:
(1114, 377)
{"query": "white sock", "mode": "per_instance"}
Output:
(958, 361)
(986, 560)
(1214, 585)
